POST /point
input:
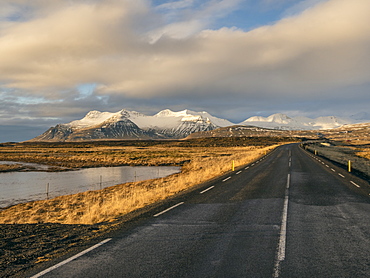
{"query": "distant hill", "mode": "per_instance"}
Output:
(284, 122)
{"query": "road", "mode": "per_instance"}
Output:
(286, 215)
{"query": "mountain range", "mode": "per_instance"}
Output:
(168, 124)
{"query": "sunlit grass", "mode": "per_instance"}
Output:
(109, 203)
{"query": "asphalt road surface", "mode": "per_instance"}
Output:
(289, 214)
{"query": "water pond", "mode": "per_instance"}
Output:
(20, 187)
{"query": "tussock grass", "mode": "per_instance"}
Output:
(10, 167)
(365, 154)
(109, 203)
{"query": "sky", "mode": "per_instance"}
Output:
(61, 59)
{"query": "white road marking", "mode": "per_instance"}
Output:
(355, 184)
(327, 165)
(158, 214)
(70, 259)
(246, 168)
(252, 164)
(341, 175)
(226, 179)
(280, 254)
(209, 188)
(238, 172)
(332, 169)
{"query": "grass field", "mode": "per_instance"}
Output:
(201, 160)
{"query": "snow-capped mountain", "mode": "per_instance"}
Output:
(282, 121)
(168, 124)
(133, 125)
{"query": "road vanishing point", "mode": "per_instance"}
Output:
(289, 214)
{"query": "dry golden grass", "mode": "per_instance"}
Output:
(109, 203)
(364, 153)
(10, 167)
(361, 148)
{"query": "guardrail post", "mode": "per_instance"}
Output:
(47, 191)
(349, 166)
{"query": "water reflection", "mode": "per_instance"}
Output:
(18, 187)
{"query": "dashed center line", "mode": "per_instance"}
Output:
(226, 179)
(209, 188)
(355, 184)
(280, 255)
(341, 175)
(158, 214)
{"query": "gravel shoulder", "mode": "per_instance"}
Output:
(25, 245)
(339, 153)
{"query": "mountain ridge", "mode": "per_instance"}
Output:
(167, 124)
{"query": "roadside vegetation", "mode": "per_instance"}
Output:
(11, 167)
(201, 160)
(341, 152)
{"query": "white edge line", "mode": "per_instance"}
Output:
(355, 184)
(209, 188)
(70, 259)
(341, 175)
(238, 172)
(164, 211)
(226, 179)
(246, 168)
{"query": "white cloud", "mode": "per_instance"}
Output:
(176, 5)
(187, 18)
(107, 43)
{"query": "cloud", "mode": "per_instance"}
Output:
(301, 6)
(64, 44)
(176, 5)
(322, 49)
(186, 18)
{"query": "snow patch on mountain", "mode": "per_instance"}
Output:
(282, 121)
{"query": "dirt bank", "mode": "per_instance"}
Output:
(26, 245)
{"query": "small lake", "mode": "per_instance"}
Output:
(20, 187)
